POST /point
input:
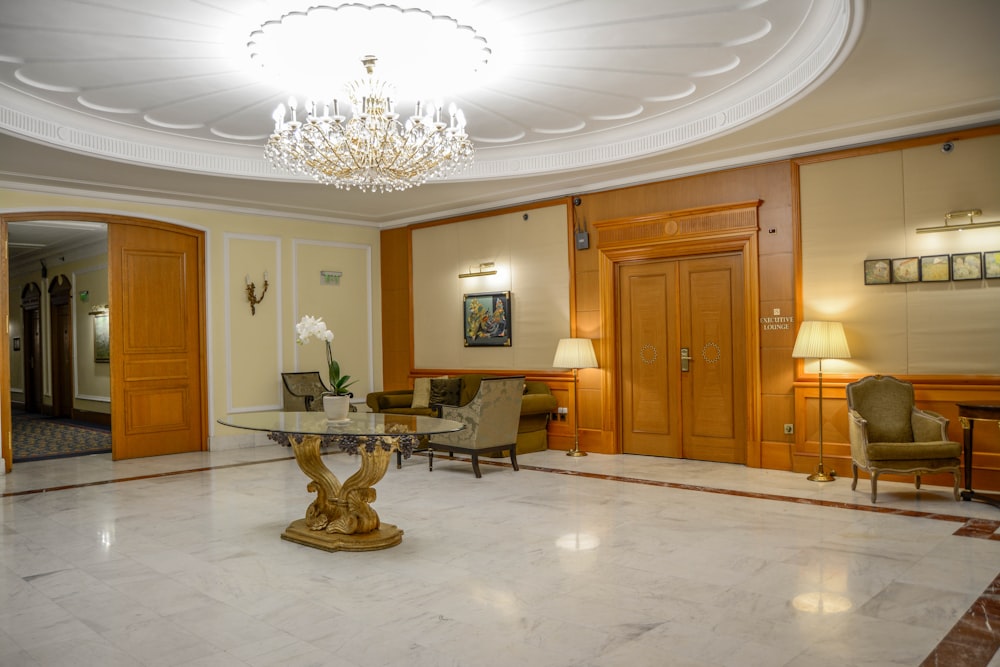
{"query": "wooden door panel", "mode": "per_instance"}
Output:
(156, 341)
(713, 396)
(649, 383)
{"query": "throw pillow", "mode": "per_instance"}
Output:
(421, 393)
(446, 392)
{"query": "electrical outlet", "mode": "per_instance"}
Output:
(789, 429)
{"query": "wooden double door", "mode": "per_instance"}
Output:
(683, 358)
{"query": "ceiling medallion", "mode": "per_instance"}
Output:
(373, 150)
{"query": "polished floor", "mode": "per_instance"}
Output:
(594, 561)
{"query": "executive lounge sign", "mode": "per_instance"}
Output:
(776, 322)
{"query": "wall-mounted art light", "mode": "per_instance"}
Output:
(252, 293)
(971, 224)
(485, 269)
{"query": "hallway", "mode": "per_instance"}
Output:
(602, 560)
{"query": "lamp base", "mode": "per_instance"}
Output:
(575, 452)
(820, 476)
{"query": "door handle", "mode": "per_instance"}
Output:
(685, 359)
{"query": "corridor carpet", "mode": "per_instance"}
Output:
(36, 438)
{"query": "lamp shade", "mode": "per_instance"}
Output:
(821, 340)
(575, 353)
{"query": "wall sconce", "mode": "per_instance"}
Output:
(958, 228)
(485, 269)
(252, 294)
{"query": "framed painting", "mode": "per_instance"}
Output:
(991, 264)
(906, 270)
(877, 272)
(102, 342)
(935, 269)
(486, 319)
(967, 266)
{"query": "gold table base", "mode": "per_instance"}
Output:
(341, 517)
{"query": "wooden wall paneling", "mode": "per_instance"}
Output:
(397, 309)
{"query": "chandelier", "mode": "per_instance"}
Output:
(373, 150)
(365, 142)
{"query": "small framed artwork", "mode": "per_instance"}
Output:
(906, 270)
(486, 319)
(102, 343)
(877, 272)
(967, 266)
(991, 264)
(935, 269)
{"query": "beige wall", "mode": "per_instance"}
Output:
(247, 353)
(868, 207)
(532, 261)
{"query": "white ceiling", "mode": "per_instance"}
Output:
(157, 99)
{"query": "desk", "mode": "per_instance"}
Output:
(968, 415)
(341, 517)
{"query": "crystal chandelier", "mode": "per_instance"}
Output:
(373, 150)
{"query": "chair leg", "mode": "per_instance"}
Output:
(475, 465)
(874, 485)
(854, 468)
(955, 475)
(399, 459)
(430, 459)
(513, 457)
(918, 481)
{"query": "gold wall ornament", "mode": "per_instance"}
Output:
(252, 293)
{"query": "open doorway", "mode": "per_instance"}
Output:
(59, 356)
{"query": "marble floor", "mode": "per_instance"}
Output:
(593, 561)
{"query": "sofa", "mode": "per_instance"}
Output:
(536, 406)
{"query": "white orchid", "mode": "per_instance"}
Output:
(310, 327)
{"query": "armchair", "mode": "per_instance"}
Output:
(491, 419)
(890, 434)
(302, 391)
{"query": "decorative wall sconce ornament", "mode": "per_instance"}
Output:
(252, 293)
(971, 224)
(485, 269)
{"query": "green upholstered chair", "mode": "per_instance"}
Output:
(890, 434)
(491, 419)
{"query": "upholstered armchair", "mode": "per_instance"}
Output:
(890, 434)
(490, 418)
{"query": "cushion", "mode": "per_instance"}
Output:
(445, 391)
(421, 393)
(908, 451)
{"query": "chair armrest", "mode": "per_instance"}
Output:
(928, 426)
(380, 400)
(859, 437)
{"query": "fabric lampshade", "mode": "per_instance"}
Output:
(821, 340)
(575, 353)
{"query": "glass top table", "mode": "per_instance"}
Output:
(341, 517)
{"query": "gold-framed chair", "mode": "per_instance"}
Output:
(491, 419)
(889, 433)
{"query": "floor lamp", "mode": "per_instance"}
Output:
(821, 340)
(575, 353)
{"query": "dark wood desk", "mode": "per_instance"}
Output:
(968, 415)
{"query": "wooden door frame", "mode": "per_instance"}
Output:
(709, 230)
(109, 219)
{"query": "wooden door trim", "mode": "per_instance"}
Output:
(710, 230)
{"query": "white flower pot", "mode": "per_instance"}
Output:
(336, 408)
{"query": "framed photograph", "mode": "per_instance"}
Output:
(877, 272)
(967, 266)
(991, 264)
(935, 269)
(906, 270)
(486, 319)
